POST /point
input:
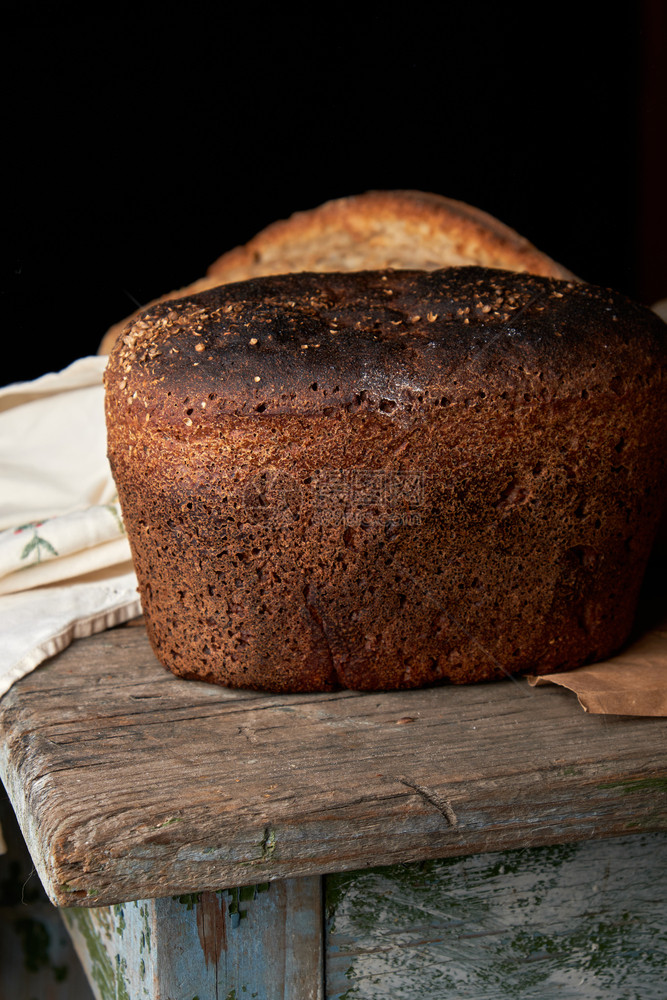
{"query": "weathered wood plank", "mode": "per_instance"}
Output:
(131, 783)
(262, 941)
(584, 921)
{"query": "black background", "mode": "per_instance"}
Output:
(143, 145)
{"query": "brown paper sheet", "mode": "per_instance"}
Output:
(632, 683)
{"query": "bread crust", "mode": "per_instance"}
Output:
(379, 229)
(323, 486)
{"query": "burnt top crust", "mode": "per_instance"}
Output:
(399, 342)
(378, 229)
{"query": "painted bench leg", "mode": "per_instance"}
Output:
(259, 941)
(582, 921)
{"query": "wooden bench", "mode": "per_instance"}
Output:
(207, 842)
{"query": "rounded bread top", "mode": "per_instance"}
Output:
(398, 342)
(379, 229)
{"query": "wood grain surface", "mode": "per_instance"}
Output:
(130, 783)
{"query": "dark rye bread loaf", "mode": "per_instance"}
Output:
(389, 479)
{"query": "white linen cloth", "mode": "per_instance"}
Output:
(65, 564)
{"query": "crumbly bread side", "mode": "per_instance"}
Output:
(379, 229)
(389, 479)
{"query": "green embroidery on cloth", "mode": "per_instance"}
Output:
(37, 544)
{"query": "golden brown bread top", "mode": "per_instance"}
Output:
(399, 342)
(379, 229)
